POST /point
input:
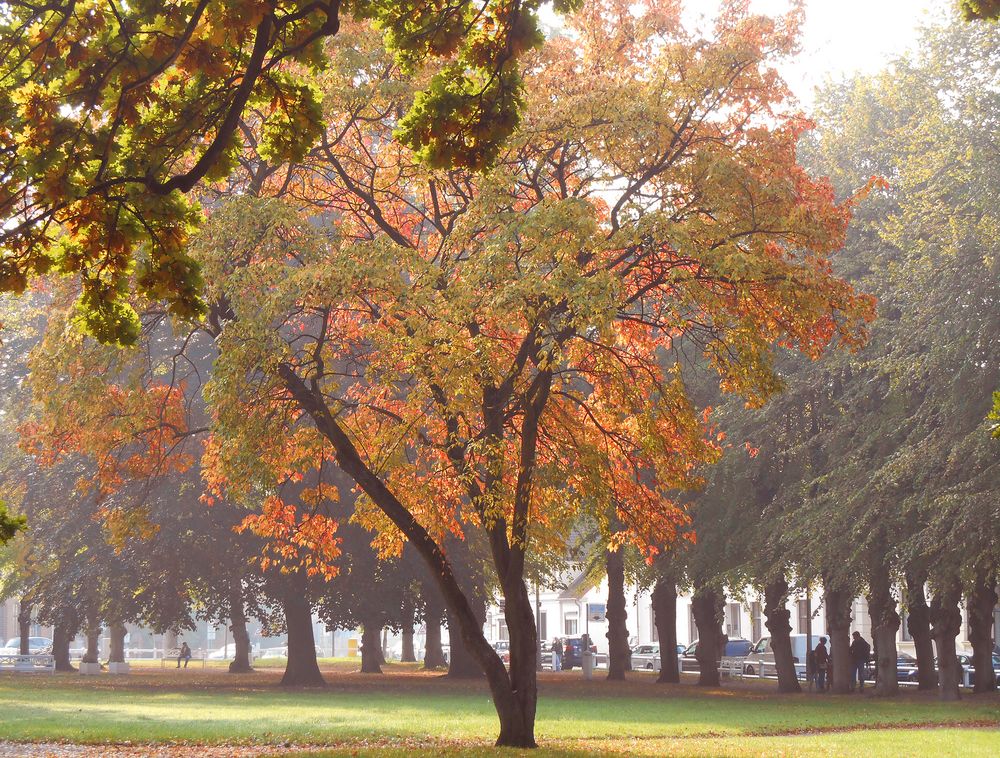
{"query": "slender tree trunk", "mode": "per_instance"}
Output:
(664, 600)
(408, 654)
(302, 669)
(116, 652)
(838, 627)
(707, 606)
(93, 654)
(62, 636)
(241, 637)
(777, 622)
(24, 626)
(946, 623)
(370, 635)
(462, 664)
(918, 624)
(885, 624)
(619, 654)
(981, 601)
(433, 654)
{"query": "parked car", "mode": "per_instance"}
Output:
(573, 651)
(735, 647)
(646, 657)
(760, 659)
(36, 646)
(228, 652)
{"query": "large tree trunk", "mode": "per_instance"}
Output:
(93, 653)
(838, 628)
(302, 669)
(241, 637)
(885, 624)
(918, 624)
(116, 651)
(517, 714)
(433, 653)
(514, 693)
(777, 623)
(619, 654)
(408, 654)
(946, 623)
(371, 635)
(24, 626)
(981, 601)
(61, 638)
(707, 606)
(664, 600)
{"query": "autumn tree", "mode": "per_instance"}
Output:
(488, 352)
(113, 111)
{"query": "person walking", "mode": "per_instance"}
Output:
(184, 655)
(822, 657)
(557, 654)
(860, 652)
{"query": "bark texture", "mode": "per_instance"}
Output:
(980, 603)
(62, 635)
(838, 627)
(433, 654)
(241, 637)
(664, 601)
(408, 654)
(885, 625)
(370, 649)
(93, 652)
(619, 654)
(777, 618)
(946, 623)
(918, 624)
(301, 670)
(116, 648)
(707, 606)
(24, 626)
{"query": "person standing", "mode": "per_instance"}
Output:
(822, 658)
(557, 654)
(860, 652)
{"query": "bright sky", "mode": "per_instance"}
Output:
(843, 37)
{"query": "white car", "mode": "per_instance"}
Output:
(646, 657)
(36, 646)
(228, 652)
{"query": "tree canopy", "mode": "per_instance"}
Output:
(112, 111)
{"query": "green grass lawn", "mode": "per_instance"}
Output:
(418, 712)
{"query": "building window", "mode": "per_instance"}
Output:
(733, 620)
(692, 627)
(543, 633)
(803, 607)
(502, 633)
(570, 624)
(904, 627)
(654, 633)
(757, 627)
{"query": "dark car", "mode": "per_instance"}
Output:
(736, 647)
(573, 651)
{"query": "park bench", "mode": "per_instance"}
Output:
(732, 666)
(28, 663)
